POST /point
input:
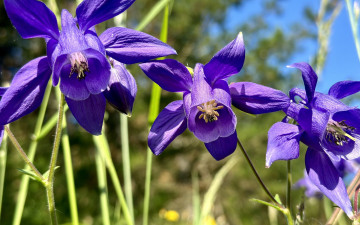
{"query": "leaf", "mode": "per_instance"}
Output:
(31, 174)
(277, 198)
(267, 203)
(46, 174)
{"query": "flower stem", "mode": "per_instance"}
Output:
(69, 175)
(50, 181)
(20, 202)
(101, 174)
(147, 187)
(257, 175)
(289, 183)
(22, 153)
(103, 147)
(3, 156)
(354, 27)
(126, 163)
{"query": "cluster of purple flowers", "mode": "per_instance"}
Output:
(90, 71)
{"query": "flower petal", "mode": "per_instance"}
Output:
(257, 99)
(170, 123)
(26, 91)
(89, 112)
(228, 61)
(328, 103)
(222, 147)
(122, 89)
(92, 12)
(343, 89)
(130, 46)
(297, 92)
(324, 175)
(169, 74)
(3, 90)
(32, 18)
(283, 142)
(309, 77)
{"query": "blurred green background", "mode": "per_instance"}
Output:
(197, 30)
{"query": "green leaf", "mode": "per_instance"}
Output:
(277, 198)
(46, 174)
(31, 174)
(155, 10)
(267, 203)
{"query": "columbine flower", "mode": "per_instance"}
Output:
(77, 57)
(206, 105)
(328, 127)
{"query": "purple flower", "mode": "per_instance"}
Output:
(79, 60)
(206, 105)
(328, 127)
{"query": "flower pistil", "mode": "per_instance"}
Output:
(79, 65)
(337, 132)
(208, 110)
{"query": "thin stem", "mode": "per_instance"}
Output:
(20, 202)
(103, 147)
(257, 175)
(69, 175)
(50, 181)
(289, 183)
(147, 186)
(354, 27)
(126, 162)
(102, 184)
(3, 156)
(22, 153)
(289, 218)
(356, 199)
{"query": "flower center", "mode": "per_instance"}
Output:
(338, 132)
(208, 110)
(79, 65)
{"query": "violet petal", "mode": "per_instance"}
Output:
(309, 77)
(169, 74)
(92, 12)
(283, 142)
(26, 91)
(324, 175)
(89, 112)
(170, 123)
(222, 147)
(343, 89)
(32, 18)
(130, 46)
(257, 99)
(122, 89)
(228, 61)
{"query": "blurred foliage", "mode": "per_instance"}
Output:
(268, 49)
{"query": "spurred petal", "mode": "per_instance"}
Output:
(309, 76)
(89, 112)
(26, 91)
(324, 175)
(283, 142)
(170, 123)
(92, 12)
(297, 92)
(32, 18)
(223, 146)
(130, 46)
(228, 61)
(257, 99)
(343, 89)
(122, 89)
(169, 74)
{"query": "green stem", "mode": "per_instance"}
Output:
(288, 186)
(20, 202)
(22, 153)
(101, 174)
(69, 175)
(103, 147)
(257, 175)
(289, 218)
(3, 156)
(50, 181)
(354, 27)
(126, 162)
(147, 187)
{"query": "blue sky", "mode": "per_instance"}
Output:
(342, 62)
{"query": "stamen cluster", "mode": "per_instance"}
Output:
(79, 65)
(337, 132)
(208, 110)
